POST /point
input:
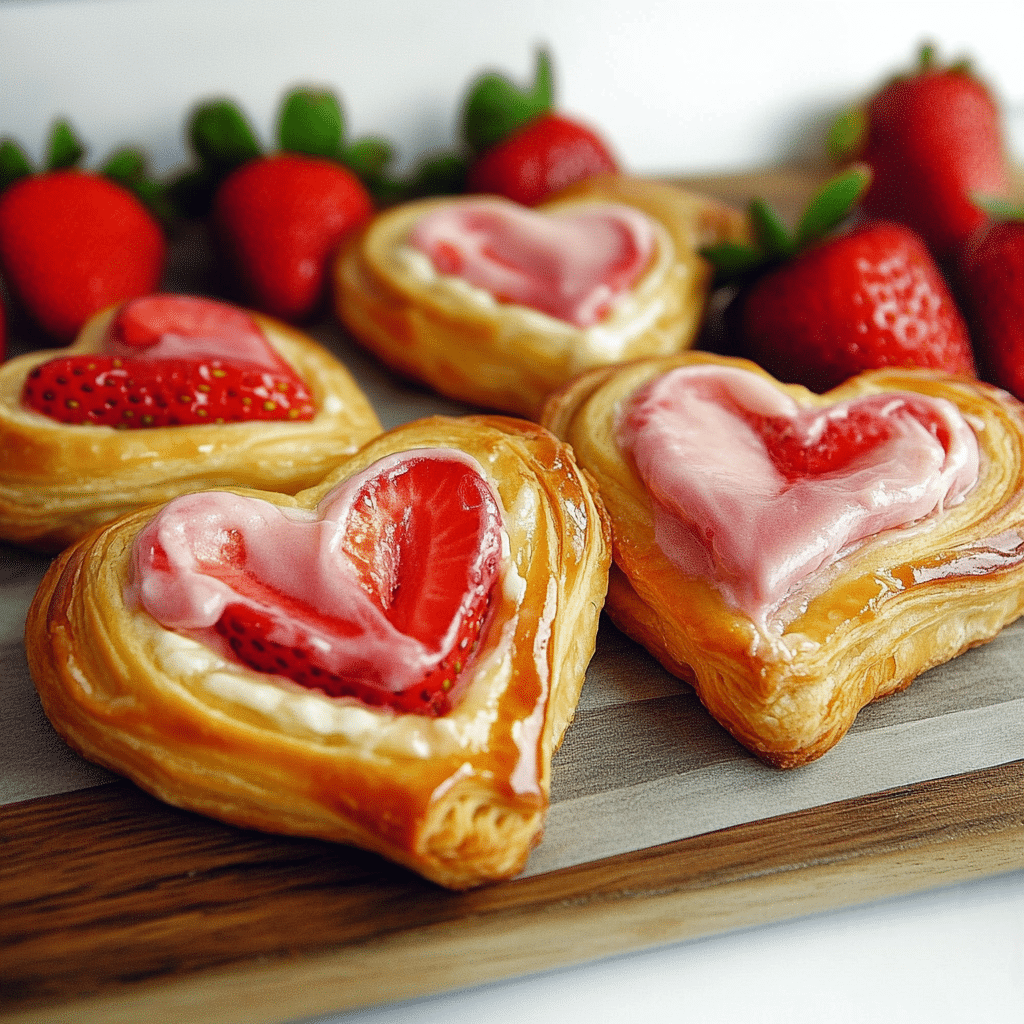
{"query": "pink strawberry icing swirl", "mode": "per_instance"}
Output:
(725, 512)
(195, 328)
(207, 550)
(570, 265)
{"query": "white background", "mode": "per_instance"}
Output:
(676, 87)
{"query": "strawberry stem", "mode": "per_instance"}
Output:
(311, 122)
(496, 107)
(773, 244)
(14, 164)
(66, 149)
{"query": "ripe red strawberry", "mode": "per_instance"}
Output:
(425, 543)
(139, 393)
(933, 140)
(817, 442)
(246, 629)
(825, 306)
(546, 155)
(280, 220)
(72, 243)
(522, 148)
(992, 290)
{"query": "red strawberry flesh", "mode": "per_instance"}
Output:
(869, 298)
(73, 243)
(138, 393)
(548, 154)
(425, 541)
(816, 443)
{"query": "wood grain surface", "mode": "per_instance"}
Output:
(124, 909)
(114, 907)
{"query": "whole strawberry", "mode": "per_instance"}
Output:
(523, 149)
(73, 242)
(992, 292)
(826, 305)
(279, 217)
(933, 140)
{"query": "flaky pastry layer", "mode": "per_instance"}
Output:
(459, 341)
(890, 608)
(461, 798)
(58, 481)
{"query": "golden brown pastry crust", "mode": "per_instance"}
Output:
(895, 606)
(460, 799)
(508, 358)
(57, 481)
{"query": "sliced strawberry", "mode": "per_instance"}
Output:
(170, 326)
(140, 393)
(424, 537)
(143, 322)
(246, 628)
(825, 442)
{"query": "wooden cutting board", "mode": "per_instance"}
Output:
(118, 908)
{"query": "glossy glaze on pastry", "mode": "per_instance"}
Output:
(58, 480)
(497, 305)
(793, 580)
(459, 796)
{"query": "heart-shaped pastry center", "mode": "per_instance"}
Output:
(379, 593)
(171, 360)
(755, 492)
(571, 265)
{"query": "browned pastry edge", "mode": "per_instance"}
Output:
(893, 607)
(461, 814)
(57, 481)
(491, 355)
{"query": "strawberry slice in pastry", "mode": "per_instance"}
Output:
(497, 304)
(796, 556)
(161, 395)
(388, 659)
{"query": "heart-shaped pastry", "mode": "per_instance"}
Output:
(388, 659)
(796, 556)
(571, 265)
(378, 593)
(493, 304)
(215, 396)
(755, 491)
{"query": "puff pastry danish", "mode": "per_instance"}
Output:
(498, 305)
(58, 479)
(795, 556)
(456, 790)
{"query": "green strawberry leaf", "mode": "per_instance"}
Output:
(221, 136)
(129, 169)
(125, 166)
(368, 158)
(312, 122)
(496, 107)
(831, 205)
(443, 174)
(14, 164)
(997, 207)
(732, 260)
(66, 150)
(772, 236)
(845, 137)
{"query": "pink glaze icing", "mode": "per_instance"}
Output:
(571, 265)
(197, 328)
(206, 550)
(724, 511)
